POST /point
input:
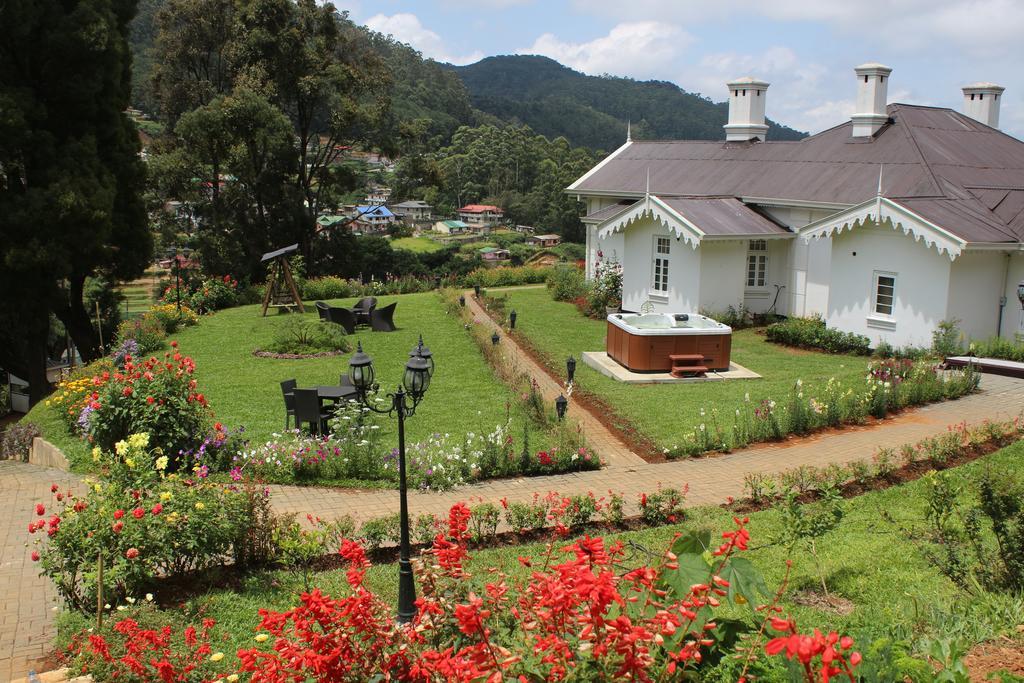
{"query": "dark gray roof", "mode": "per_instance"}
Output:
(725, 216)
(924, 152)
(714, 216)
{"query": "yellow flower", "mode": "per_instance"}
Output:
(200, 506)
(96, 453)
(139, 441)
(97, 488)
(161, 462)
(121, 447)
(165, 496)
(216, 656)
(232, 678)
(130, 462)
(262, 638)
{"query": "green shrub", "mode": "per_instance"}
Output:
(737, 317)
(946, 338)
(523, 517)
(664, 506)
(147, 331)
(301, 335)
(300, 547)
(329, 287)
(567, 283)
(173, 318)
(506, 276)
(377, 532)
(143, 524)
(811, 333)
(483, 522)
(997, 347)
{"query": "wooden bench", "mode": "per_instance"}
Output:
(688, 365)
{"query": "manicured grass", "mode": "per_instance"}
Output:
(869, 560)
(418, 245)
(244, 390)
(665, 412)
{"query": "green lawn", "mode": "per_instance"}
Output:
(418, 245)
(869, 559)
(464, 395)
(243, 390)
(664, 412)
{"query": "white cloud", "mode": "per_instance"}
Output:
(976, 27)
(639, 49)
(407, 28)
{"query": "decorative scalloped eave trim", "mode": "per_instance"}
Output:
(887, 216)
(649, 210)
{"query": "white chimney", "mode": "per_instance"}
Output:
(746, 110)
(981, 102)
(872, 88)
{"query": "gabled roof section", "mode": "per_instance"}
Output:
(691, 218)
(924, 153)
(882, 212)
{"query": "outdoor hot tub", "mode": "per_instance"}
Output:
(643, 343)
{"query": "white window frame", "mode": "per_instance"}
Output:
(757, 250)
(875, 294)
(660, 262)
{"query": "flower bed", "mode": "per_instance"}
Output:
(137, 523)
(157, 396)
(577, 617)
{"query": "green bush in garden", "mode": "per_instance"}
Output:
(139, 522)
(811, 333)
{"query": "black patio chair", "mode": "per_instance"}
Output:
(287, 388)
(363, 308)
(323, 309)
(308, 411)
(343, 317)
(381, 319)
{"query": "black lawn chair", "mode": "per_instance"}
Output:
(308, 411)
(364, 308)
(287, 388)
(323, 309)
(381, 319)
(344, 317)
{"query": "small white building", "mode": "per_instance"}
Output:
(885, 225)
(378, 195)
(451, 228)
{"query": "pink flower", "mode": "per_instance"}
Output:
(35, 556)
(131, 553)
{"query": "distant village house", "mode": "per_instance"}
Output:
(544, 241)
(481, 214)
(451, 228)
(412, 210)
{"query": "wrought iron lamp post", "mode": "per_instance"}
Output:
(462, 300)
(570, 368)
(512, 319)
(404, 400)
(560, 405)
(1020, 296)
(495, 338)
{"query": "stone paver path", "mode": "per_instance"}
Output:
(603, 441)
(711, 479)
(27, 601)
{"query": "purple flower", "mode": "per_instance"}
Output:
(236, 474)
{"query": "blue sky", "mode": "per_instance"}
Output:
(805, 48)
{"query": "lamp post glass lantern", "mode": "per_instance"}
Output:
(495, 338)
(560, 405)
(570, 368)
(403, 402)
(462, 300)
(512, 319)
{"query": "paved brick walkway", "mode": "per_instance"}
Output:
(601, 440)
(27, 601)
(711, 479)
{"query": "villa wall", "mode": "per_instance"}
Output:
(683, 275)
(722, 274)
(975, 285)
(922, 285)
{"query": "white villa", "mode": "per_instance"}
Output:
(885, 225)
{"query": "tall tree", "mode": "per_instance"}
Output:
(70, 174)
